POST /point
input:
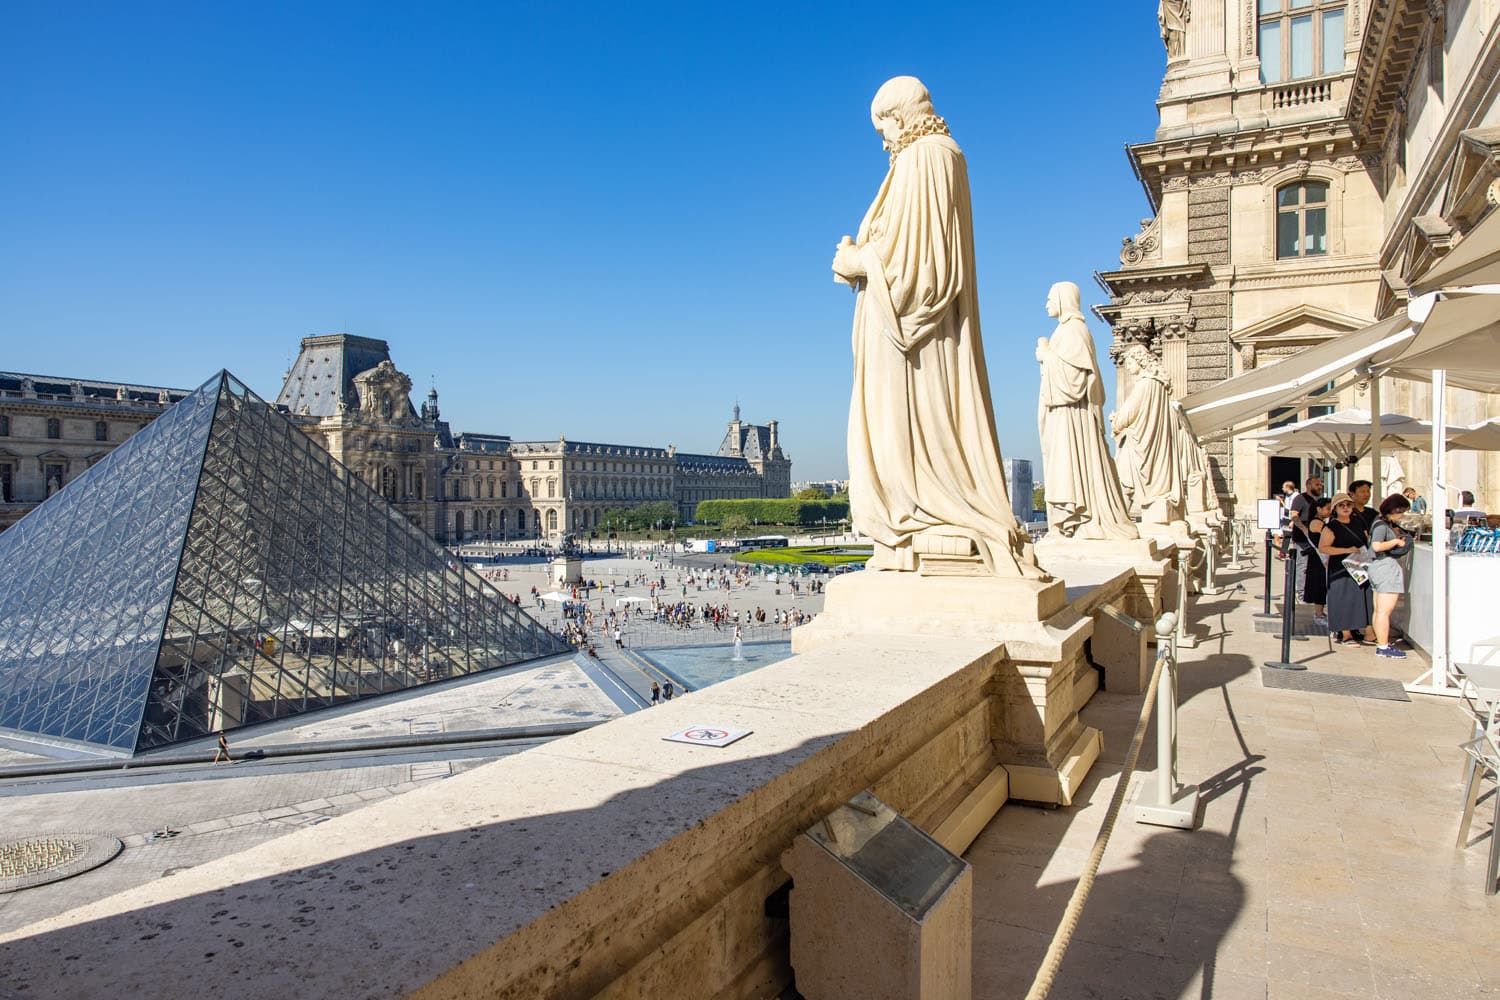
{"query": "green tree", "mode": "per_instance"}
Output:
(1038, 497)
(811, 493)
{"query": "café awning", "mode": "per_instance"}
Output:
(1475, 261)
(1246, 399)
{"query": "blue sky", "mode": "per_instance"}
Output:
(608, 222)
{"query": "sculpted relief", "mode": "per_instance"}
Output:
(925, 480)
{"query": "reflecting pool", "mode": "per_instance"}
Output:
(699, 666)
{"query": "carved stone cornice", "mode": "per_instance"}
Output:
(1240, 157)
(1169, 276)
(1393, 42)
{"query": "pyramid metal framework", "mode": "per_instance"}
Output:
(219, 569)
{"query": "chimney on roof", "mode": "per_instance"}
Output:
(774, 444)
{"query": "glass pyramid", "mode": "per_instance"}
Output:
(220, 569)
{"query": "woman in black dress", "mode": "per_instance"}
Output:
(1349, 604)
(1315, 581)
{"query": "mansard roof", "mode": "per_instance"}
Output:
(751, 441)
(58, 388)
(715, 464)
(322, 377)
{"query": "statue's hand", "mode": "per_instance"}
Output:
(846, 263)
(1041, 348)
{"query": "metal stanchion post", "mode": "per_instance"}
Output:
(1181, 636)
(1265, 611)
(1236, 545)
(1288, 616)
(1165, 802)
(1210, 560)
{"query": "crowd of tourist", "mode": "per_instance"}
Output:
(1349, 559)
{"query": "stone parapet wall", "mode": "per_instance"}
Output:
(610, 862)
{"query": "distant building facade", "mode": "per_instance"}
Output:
(346, 393)
(1018, 482)
(52, 429)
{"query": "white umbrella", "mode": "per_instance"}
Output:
(1481, 437)
(557, 596)
(1344, 436)
(632, 600)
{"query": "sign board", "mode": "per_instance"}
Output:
(708, 736)
(1268, 514)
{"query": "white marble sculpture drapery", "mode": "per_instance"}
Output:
(1083, 494)
(1147, 436)
(1193, 461)
(924, 462)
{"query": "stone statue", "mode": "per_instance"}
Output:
(1146, 431)
(1172, 17)
(1084, 499)
(925, 480)
(1193, 460)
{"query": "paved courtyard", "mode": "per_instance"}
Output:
(1325, 864)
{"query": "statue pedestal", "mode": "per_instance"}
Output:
(1039, 646)
(1151, 592)
(566, 570)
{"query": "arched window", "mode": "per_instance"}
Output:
(101, 430)
(388, 482)
(1299, 39)
(417, 484)
(4, 425)
(54, 428)
(1302, 219)
(520, 520)
(551, 520)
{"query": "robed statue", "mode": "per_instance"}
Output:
(1147, 433)
(1193, 460)
(1172, 18)
(1084, 499)
(925, 480)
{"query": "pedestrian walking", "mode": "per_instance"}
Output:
(655, 693)
(666, 691)
(222, 753)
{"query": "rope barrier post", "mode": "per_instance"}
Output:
(1266, 612)
(1181, 637)
(1210, 569)
(1164, 802)
(1288, 616)
(1236, 545)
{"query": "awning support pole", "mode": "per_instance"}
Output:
(1437, 676)
(1376, 493)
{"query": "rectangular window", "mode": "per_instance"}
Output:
(1286, 235)
(1317, 231)
(1270, 52)
(1333, 41)
(1270, 6)
(1282, 415)
(1302, 47)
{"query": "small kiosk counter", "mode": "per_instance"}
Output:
(1473, 610)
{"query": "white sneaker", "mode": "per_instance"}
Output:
(1320, 621)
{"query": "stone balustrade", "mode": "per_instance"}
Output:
(608, 863)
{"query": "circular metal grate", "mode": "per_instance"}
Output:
(32, 861)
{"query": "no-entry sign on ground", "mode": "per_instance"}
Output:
(708, 736)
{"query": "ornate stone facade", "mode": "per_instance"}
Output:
(51, 429)
(1386, 141)
(346, 393)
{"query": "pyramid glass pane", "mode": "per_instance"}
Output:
(89, 580)
(250, 578)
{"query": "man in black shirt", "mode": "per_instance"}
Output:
(1305, 503)
(1364, 514)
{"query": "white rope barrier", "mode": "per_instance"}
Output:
(1052, 961)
